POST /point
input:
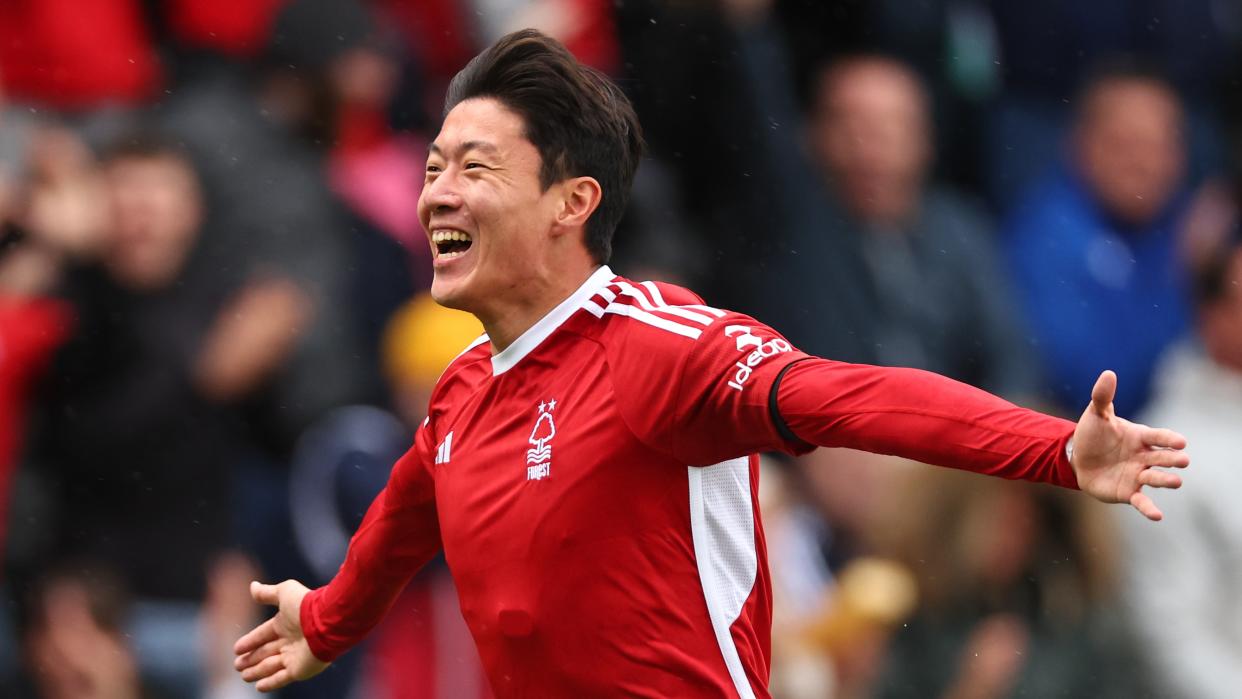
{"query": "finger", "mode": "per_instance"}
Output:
(261, 634)
(266, 668)
(1158, 437)
(276, 681)
(265, 594)
(266, 651)
(1165, 458)
(1160, 479)
(1103, 392)
(1143, 504)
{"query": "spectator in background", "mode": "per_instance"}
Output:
(331, 74)
(1094, 247)
(1018, 610)
(138, 438)
(1190, 628)
(32, 322)
(885, 267)
(1045, 52)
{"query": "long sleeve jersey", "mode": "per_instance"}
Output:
(593, 488)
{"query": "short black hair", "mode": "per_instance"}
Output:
(581, 123)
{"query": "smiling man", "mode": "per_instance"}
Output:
(588, 466)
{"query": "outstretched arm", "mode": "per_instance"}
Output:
(926, 417)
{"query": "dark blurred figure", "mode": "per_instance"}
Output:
(884, 266)
(1094, 247)
(1016, 610)
(1190, 626)
(32, 322)
(138, 440)
(683, 70)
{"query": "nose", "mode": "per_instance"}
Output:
(442, 193)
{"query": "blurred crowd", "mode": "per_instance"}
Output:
(215, 336)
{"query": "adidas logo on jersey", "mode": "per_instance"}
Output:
(442, 452)
(746, 339)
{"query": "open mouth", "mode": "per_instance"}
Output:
(450, 244)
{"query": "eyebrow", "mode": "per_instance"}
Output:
(468, 146)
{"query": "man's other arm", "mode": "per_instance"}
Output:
(399, 534)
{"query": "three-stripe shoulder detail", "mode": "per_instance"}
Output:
(644, 303)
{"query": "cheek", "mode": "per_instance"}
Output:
(424, 211)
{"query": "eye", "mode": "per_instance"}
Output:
(432, 169)
(474, 166)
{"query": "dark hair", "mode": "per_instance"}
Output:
(145, 142)
(579, 121)
(1121, 68)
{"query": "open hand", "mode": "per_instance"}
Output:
(1114, 458)
(275, 653)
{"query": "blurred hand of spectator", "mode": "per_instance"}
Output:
(993, 657)
(66, 205)
(74, 657)
(228, 610)
(252, 337)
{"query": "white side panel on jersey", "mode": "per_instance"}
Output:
(722, 523)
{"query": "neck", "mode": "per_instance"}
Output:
(520, 310)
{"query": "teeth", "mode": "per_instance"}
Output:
(444, 236)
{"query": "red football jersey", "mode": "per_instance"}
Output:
(593, 487)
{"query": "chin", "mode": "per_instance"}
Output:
(455, 295)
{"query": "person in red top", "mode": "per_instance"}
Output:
(588, 465)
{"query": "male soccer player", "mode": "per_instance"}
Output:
(588, 466)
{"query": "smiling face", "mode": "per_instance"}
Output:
(487, 216)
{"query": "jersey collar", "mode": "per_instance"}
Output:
(548, 324)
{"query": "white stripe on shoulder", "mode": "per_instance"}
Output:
(707, 309)
(638, 314)
(655, 293)
(661, 307)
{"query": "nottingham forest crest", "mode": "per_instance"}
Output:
(539, 456)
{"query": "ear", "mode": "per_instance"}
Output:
(580, 197)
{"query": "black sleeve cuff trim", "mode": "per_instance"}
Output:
(782, 428)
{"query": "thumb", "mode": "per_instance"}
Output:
(264, 594)
(1102, 394)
